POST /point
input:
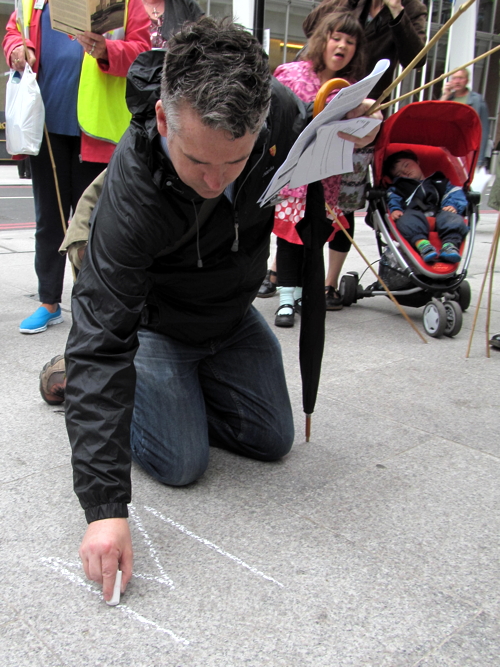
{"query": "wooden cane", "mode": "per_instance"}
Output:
(389, 293)
(494, 244)
(488, 309)
(421, 54)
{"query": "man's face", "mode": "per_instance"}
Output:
(407, 168)
(459, 81)
(205, 159)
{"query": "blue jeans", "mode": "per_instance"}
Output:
(229, 393)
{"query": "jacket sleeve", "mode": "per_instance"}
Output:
(394, 200)
(454, 196)
(107, 302)
(408, 31)
(13, 38)
(78, 229)
(123, 52)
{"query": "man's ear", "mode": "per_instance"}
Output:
(161, 119)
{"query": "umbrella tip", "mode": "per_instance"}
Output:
(308, 427)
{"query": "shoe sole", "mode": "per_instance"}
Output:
(284, 326)
(55, 320)
(266, 296)
(331, 308)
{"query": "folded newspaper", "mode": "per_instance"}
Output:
(319, 152)
(76, 16)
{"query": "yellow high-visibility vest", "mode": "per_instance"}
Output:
(101, 107)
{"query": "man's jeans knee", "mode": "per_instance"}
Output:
(230, 393)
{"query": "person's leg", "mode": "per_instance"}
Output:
(289, 261)
(231, 394)
(268, 287)
(246, 396)
(414, 227)
(49, 265)
(451, 227)
(169, 430)
(338, 249)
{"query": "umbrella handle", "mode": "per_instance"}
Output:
(325, 90)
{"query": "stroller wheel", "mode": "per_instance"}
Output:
(453, 318)
(464, 295)
(348, 289)
(434, 318)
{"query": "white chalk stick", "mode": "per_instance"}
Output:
(116, 590)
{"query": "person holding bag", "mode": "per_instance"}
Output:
(83, 89)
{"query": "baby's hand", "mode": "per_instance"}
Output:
(396, 214)
(451, 209)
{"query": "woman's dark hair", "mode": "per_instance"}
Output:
(342, 21)
(393, 159)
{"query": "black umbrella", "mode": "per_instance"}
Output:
(314, 229)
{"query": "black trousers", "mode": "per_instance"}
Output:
(74, 177)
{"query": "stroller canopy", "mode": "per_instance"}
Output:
(451, 126)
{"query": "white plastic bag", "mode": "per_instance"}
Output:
(24, 113)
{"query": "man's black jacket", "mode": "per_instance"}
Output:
(191, 294)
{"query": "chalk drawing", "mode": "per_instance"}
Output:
(164, 578)
(61, 567)
(211, 545)
(66, 569)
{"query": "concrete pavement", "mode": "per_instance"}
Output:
(376, 544)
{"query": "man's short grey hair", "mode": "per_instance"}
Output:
(466, 72)
(219, 70)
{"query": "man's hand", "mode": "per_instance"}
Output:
(395, 7)
(94, 45)
(361, 142)
(18, 58)
(447, 91)
(107, 547)
(396, 214)
(451, 209)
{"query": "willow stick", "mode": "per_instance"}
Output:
(421, 54)
(494, 243)
(389, 293)
(488, 309)
(437, 79)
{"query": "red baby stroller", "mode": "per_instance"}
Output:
(446, 137)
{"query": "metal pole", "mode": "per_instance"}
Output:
(208, 7)
(427, 38)
(490, 46)
(258, 20)
(285, 40)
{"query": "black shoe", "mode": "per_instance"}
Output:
(267, 288)
(298, 306)
(333, 299)
(285, 320)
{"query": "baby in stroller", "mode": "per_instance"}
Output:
(412, 198)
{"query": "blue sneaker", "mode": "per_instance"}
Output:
(449, 253)
(40, 320)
